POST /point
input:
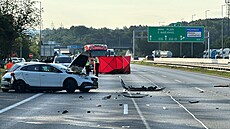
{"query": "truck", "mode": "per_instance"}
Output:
(162, 54)
(96, 49)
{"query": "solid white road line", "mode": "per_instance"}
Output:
(188, 111)
(20, 103)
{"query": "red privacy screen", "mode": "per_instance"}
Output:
(114, 64)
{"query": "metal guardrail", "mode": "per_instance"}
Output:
(220, 67)
(212, 64)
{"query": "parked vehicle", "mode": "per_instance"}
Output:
(15, 60)
(21, 59)
(34, 60)
(226, 52)
(111, 52)
(156, 53)
(212, 55)
(165, 54)
(149, 57)
(63, 60)
(52, 76)
(162, 54)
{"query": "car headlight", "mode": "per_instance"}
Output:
(94, 79)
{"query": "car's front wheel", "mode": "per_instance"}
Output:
(70, 85)
(20, 86)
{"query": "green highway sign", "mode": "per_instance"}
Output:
(176, 34)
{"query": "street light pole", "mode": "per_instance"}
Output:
(206, 15)
(192, 42)
(193, 16)
(222, 29)
(40, 33)
(159, 44)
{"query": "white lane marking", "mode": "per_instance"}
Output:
(140, 114)
(201, 90)
(188, 111)
(177, 80)
(20, 103)
(126, 109)
(180, 105)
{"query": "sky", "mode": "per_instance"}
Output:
(114, 14)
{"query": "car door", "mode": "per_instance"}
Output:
(31, 75)
(50, 76)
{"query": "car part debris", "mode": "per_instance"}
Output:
(88, 111)
(221, 86)
(196, 101)
(125, 127)
(137, 95)
(65, 111)
(81, 97)
(142, 88)
(165, 108)
(98, 105)
(107, 97)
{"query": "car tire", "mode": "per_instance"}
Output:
(20, 86)
(84, 90)
(5, 90)
(70, 85)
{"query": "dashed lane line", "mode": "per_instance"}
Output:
(179, 104)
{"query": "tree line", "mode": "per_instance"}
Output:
(80, 35)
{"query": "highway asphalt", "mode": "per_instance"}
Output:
(189, 101)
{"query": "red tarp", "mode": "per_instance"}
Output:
(114, 64)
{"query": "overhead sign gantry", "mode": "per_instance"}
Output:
(176, 34)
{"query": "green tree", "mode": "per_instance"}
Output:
(18, 16)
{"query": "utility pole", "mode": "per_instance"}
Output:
(206, 22)
(137, 37)
(228, 12)
(192, 42)
(222, 30)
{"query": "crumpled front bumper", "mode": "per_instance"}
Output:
(88, 85)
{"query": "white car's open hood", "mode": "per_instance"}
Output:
(80, 61)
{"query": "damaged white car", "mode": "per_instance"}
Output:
(54, 77)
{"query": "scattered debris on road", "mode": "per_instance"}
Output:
(107, 97)
(98, 105)
(65, 111)
(221, 86)
(196, 101)
(142, 88)
(165, 108)
(134, 95)
(81, 97)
